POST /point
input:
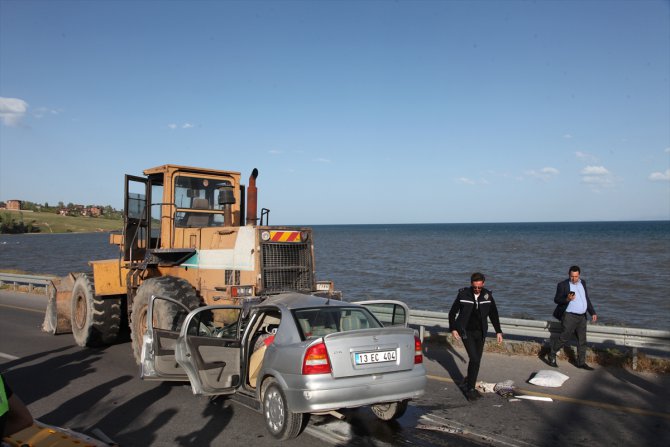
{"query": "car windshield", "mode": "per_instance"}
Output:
(320, 321)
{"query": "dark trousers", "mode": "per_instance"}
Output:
(571, 324)
(474, 345)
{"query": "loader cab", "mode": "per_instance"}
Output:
(172, 203)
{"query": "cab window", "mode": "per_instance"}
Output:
(198, 201)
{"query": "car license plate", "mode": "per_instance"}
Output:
(363, 358)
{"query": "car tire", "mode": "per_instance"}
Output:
(164, 313)
(279, 420)
(96, 320)
(390, 411)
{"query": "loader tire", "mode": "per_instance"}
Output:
(164, 313)
(96, 320)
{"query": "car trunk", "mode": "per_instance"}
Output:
(370, 351)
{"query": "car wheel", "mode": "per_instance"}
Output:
(390, 411)
(279, 420)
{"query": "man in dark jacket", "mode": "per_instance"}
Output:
(572, 305)
(468, 322)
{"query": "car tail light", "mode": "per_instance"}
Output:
(418, 351)
(316, 360)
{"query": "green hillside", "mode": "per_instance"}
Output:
(55, 223)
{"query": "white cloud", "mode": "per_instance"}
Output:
(585, 156)
(597, 176)
(465, 181)
(174, 126)
(567, 136)
(275, 152)
(595, 170)
(544, 174)
(597, 180)
(660, 176)
(322, 160)
(12, 111)
(41, 112)
(667, 150)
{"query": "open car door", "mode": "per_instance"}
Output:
(388, 312)
(157, 361)
(208, 348)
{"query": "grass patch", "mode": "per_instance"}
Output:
(55, 223)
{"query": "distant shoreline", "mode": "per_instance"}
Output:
(52, 223)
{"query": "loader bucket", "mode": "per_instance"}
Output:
(59, 306)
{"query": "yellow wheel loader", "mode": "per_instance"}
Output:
(190, 234)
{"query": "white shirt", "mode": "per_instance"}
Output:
(578, 305)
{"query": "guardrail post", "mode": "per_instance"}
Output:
(634, 359)
(422, 332)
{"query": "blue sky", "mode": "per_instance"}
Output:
(353, 112)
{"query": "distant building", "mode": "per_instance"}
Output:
(81, 210)
(95, 211)
(14, 205)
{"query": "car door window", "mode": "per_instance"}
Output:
(388, 312)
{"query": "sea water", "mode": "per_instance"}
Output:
(626, 265)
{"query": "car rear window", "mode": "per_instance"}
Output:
(320, 321)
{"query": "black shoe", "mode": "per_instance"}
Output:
(551, 361)
(472, 395)
(584, 366)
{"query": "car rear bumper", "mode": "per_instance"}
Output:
(317, 393)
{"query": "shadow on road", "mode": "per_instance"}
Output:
(125, 419)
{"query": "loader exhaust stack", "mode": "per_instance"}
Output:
(252, 199)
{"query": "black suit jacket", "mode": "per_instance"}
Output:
(561, 299)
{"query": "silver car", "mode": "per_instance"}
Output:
(289, 355)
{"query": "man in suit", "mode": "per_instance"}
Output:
(572, 305)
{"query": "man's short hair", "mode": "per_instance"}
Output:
(477, 277)
(574, 268)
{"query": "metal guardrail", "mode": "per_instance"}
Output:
(15, 281)
(649, 339)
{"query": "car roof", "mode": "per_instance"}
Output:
(294, 300)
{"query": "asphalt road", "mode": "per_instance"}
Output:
(87, 389)
(99, 389)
